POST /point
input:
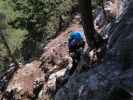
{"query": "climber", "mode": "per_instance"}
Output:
(76, 43)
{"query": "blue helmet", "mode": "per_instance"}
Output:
(76, 35)
(75, 38)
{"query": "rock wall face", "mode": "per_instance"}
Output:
(115, 7)
(120, 40)
(112, 80)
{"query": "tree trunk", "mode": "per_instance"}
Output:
(87, 21)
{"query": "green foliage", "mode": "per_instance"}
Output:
(3, 67)
(13, 36)
(31, 23)
(42, 20)
(99, 2)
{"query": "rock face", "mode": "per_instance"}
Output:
(92, 85)
(115, 7)
(112, 80)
